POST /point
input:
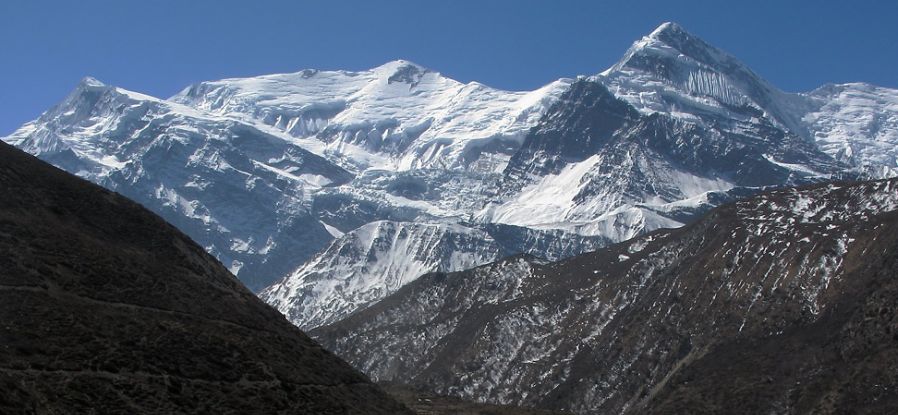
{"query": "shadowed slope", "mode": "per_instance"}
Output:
(107, 308)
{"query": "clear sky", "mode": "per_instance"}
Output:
(160, 46)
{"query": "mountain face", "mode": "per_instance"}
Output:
(372, 261)
(108, 309)
(399, 115)
(596, 165)
(270, 173)
(238, 191)
(857, 124)
(375, 260)
(782, 302)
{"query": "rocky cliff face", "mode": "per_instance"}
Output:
(106, 308)
(672, 320)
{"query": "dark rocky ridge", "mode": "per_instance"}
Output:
(105, 308)
(589, 120)
(587, 108)
(781, 303)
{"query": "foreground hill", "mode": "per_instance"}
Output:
(108, 309)
(781, 303)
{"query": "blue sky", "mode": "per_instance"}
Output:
(158, 47)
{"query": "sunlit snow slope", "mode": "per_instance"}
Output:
(398, 116)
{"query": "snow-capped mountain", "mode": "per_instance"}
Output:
(398, 116)
(270, 173)
(674, 127)
(245, 189)
(596, 165)
(796, 277)
(673, 72)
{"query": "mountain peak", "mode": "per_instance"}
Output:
(397, 63)
(81, 99)
(667, 29)
(90, 81)
(672, 53)
(90, 89)
(673, 36)
(401, 70)
(685, 71)
(400, 65)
